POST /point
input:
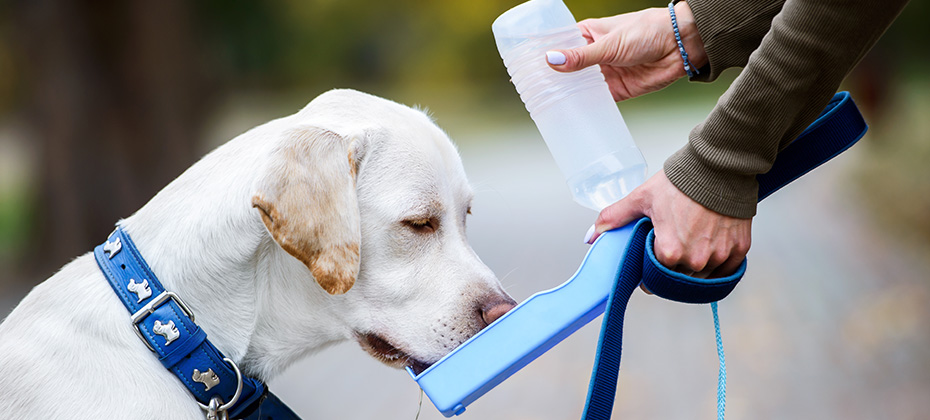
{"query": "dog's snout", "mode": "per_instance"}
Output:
(495, 308)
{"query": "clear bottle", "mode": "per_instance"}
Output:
(574, 112)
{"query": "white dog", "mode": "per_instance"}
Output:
(345, 221)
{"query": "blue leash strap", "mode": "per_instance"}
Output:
(269, 407)
(839, 126)
(722, 371)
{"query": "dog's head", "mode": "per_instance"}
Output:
(372, 198)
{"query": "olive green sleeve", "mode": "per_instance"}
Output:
(731, 30)
(809, 49)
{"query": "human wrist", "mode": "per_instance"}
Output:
(722, 190)
(690, 35)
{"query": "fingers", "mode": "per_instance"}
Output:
(736, 257)
(718, 254)
(725, 269)
(700, 263)
(692, 239)
(578, 58)
(671, 253)
(689, 238)
(703, 259)
(618, 214)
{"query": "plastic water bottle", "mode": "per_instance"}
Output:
(574, 112)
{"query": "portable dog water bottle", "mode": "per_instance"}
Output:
(574, 112)
(590, 142)
(548, 317)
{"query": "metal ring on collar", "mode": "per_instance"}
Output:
(213, 410)
(235, 397)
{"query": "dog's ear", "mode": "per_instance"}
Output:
(308, 202)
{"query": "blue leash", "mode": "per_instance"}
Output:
(839, 126)
(722, 372)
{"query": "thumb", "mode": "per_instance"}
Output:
(618, 214)
(578, 58)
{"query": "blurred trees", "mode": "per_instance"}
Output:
(116, 92)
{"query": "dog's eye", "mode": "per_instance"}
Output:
(424, 225)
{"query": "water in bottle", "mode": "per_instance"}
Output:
(574, 112)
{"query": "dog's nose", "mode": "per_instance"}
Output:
(496, 308)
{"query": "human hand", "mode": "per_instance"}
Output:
(690, 238)
(637, 51)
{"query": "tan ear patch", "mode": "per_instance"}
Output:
(307, 202)
(324, 268)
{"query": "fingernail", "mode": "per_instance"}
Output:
(555, 58)
(587, 236)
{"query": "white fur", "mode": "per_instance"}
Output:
(69, 351)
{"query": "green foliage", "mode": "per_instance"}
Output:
(297, 43)
(394, 46)
(245, 39)
(16, 221)
(893, 175)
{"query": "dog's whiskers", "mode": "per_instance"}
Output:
(508, 275)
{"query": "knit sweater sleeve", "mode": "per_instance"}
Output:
(731, 30)
(809, 49)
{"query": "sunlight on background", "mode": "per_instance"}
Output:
(830, 321)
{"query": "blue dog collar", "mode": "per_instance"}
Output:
(166, 325)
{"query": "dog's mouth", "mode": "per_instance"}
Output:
(390, 355)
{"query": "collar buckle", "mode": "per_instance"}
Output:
(150, 307)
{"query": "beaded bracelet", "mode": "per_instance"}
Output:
(681, 45)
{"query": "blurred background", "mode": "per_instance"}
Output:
(103, 102)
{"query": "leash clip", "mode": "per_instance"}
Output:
(213, 410)
(217, 410)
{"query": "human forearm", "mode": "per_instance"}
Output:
(800, 63)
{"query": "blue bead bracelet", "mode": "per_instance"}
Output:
(681, 45)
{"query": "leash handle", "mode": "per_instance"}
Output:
(837, 128)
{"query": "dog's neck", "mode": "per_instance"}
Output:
(204, 241)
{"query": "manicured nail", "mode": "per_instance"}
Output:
(587, 236)
(555, 58)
